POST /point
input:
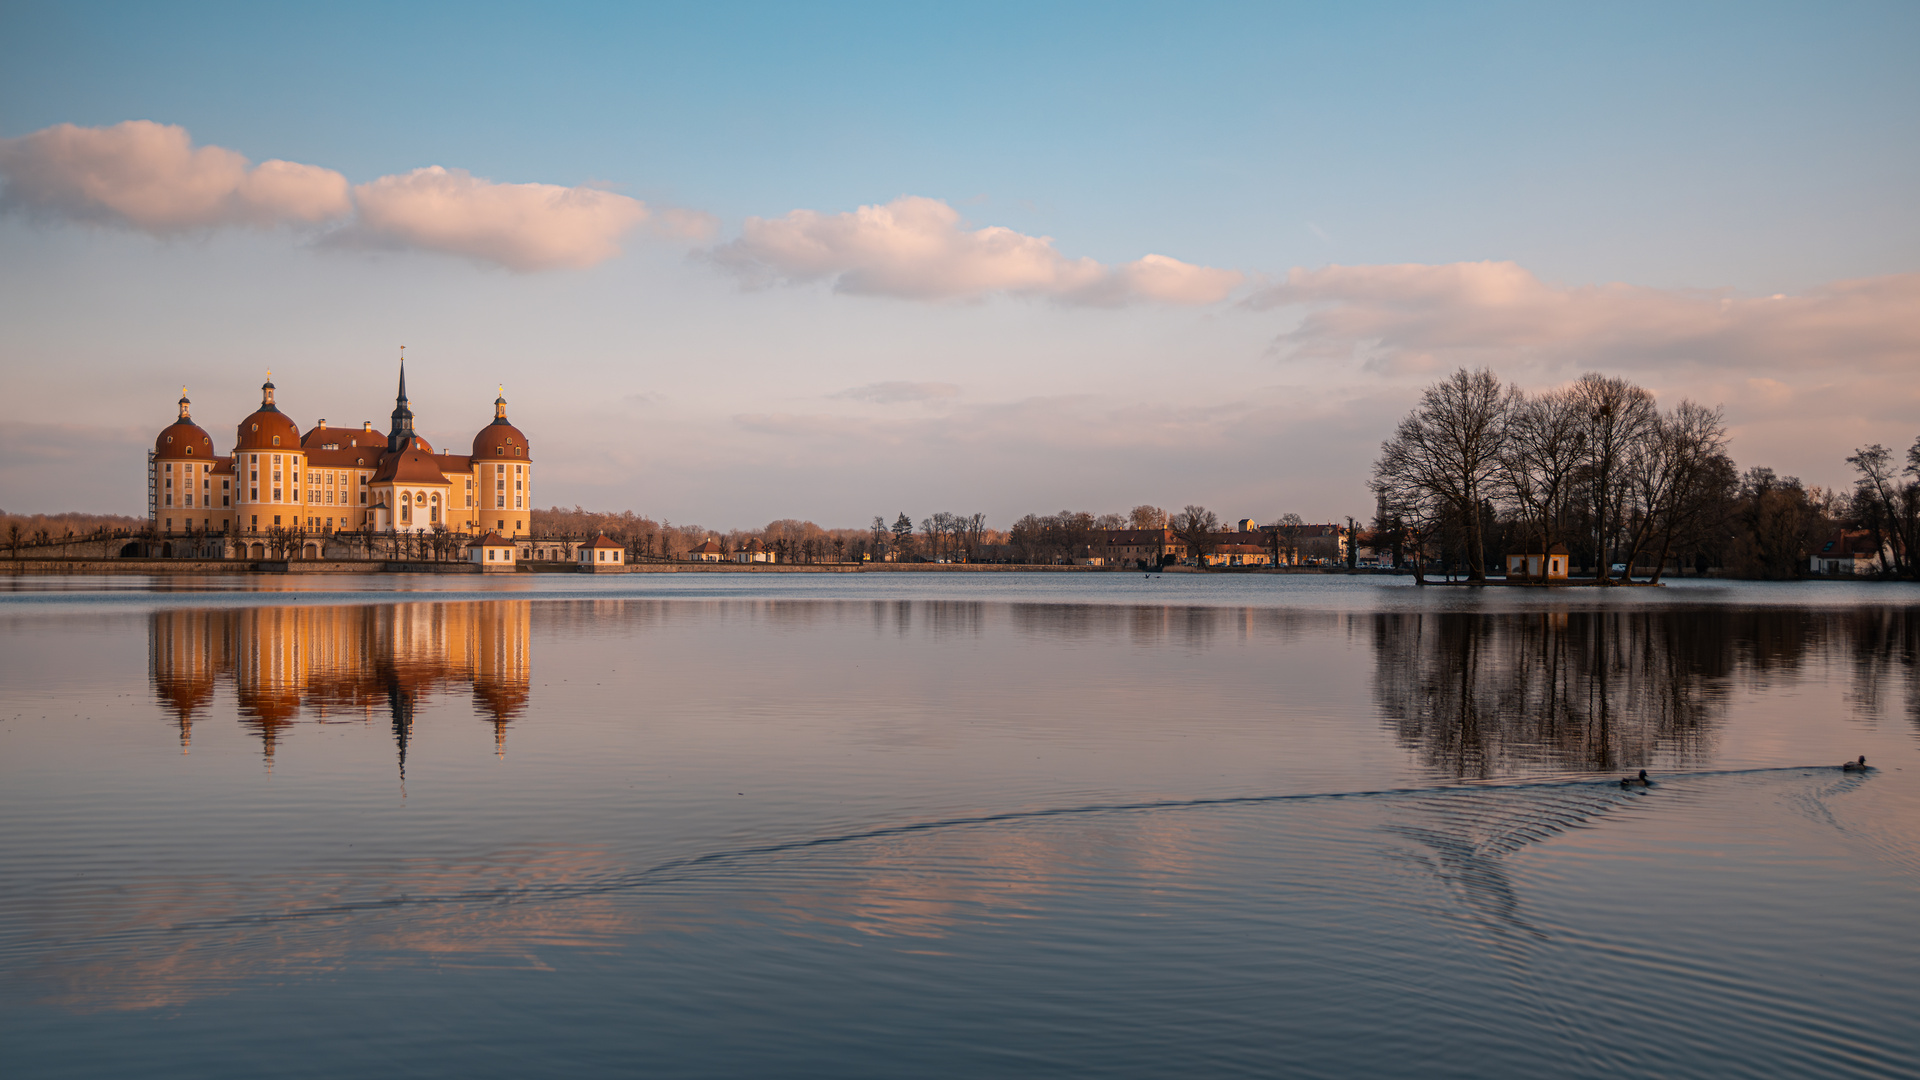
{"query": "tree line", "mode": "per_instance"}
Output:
(1480, 467)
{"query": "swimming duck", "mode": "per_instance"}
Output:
(1855, 766)
(1636, 781)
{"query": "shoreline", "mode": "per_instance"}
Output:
(54, 567)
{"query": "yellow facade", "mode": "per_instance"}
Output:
(277, 481)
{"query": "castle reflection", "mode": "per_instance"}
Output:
(334, 663)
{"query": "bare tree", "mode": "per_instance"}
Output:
(1620, 416)
(1882, 503)
(1445, 455)
(1666, 474)
(1286, 539)
(1146, 516)
(1540, 467)
(1197, 526)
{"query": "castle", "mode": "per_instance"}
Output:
(278, 482)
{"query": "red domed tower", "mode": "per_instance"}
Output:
(503, 473)
(267, 462)
(181, 486)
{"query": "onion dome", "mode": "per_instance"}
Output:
(267, 428)
(183, 438)
(500, 440)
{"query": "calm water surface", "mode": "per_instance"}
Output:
(955, 825)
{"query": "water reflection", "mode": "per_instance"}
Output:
(1480, 695)
(335, 663)
(1474, 694)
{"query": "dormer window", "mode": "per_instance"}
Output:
(276, 440)
(189, 449)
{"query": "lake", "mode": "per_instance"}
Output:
(1006, 824)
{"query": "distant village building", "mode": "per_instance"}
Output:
(707, 551)
(329, 480)
(1137, 548)
(753, 552)
(1308, 545)
(1232, 554)
(1848, 551)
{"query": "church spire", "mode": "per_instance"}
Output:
(402, 411)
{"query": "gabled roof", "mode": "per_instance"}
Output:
(346, 456)
(410, 467)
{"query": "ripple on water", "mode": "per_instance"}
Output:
(1726, 924)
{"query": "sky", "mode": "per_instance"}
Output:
(740, 262)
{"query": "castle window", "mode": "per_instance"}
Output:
(276, 440)
(499, 450)
(189, 450)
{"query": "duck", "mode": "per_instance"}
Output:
(1855, 766)
(1636, 781)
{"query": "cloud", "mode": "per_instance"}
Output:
(895, 393)
(519, 226)
(1416, 316)
(150, 176)
(916, 248)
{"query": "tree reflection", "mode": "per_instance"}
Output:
(1480, 694)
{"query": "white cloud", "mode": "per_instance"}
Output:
(519, 226)
(150, 176)
(1409, 317)
(916, 248)
(895, 393)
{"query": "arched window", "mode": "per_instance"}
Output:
(276, 440)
